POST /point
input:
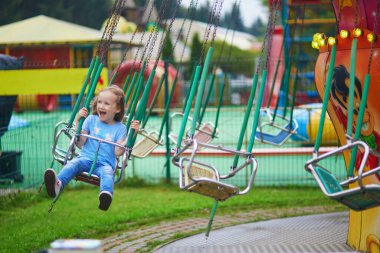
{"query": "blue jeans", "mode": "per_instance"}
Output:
(79, 165)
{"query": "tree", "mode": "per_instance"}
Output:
(91, 14)
(257, 28)
(168, 49)
(195, 54)
(233, 59)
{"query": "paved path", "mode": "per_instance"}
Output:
(303, 234)
(142, 239)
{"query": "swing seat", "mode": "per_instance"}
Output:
(358, 198)
(202, 135)
(60, 154)
(86, 178)
(147, 144)
(174, 138)
(207, 183)
(275, 134)
(204, 132)
(121, 163)
(204, 179)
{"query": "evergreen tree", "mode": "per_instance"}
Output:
(91, 14)
(195, 54)
(257, 28)
(167, 50)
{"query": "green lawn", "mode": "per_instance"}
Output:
(27, 226)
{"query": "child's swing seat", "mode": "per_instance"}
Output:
(272, 133)
(147, 144)
(205, 179)
(89, 177)
(358, 198)
(60, 154)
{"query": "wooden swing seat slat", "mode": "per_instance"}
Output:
(146, 145)
(207, 183)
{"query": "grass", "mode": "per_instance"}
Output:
(27, 226)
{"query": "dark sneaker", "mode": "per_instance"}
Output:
(51, 183)
(105, 199)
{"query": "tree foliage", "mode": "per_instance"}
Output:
(167, 49)
(233, 59)
(90, 13)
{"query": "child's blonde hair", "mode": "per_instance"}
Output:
(119, 101)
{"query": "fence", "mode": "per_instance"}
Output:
(26, 150)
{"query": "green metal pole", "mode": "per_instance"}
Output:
(211, 219)
(257, 111)
(188, 106)
(90, 95)
(325, 99)
(141, 108)
(351, 90)
(246, 117)
(363, 102)
(202, 84)
(167, 141)
(93, 65)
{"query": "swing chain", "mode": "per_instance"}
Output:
(142, 37)
(109, 30)
(162, 12)
(271, 32)
(167, 34)
(217, 19)
(374, 33)
(270, 24)
(207, 32)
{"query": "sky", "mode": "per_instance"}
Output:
(250, 9)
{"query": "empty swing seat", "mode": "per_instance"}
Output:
(205, 179)
(204, 133)
(274, 129)
(355, 198)
(146, 145)
(277, 137)
(207, 183)
(358, 198)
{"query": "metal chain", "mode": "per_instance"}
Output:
(374, 34)
(131, 40)
(356, 13)
(192, 8)
(270, 20)
(168, 32)
(340, 8)
(235, 6)
(269, 45)
(180, 31)
(269, 27)
(216, 23)
(207, 32)
(110, 30)
(142, 37)
(160, 15)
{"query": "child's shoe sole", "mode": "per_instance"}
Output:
(105, 199)
(50, 179)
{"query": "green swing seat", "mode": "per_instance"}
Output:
(358, 198)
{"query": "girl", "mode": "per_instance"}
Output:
(105, 123)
